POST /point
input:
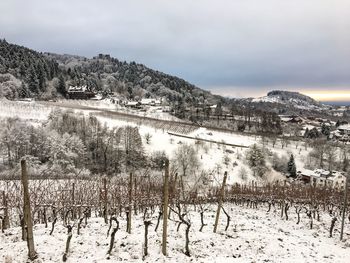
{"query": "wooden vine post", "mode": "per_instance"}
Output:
(145, 249)
(73, 201)
(6, 220)
(27, 212)
(105, 200)
(165, 206)
(128, 227)
(344, 206)
(221, 196)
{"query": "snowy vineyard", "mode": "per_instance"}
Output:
(121, 219)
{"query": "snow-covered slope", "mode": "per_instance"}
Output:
(292, 99)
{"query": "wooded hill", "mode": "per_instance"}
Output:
(27, 73)
(24, 72)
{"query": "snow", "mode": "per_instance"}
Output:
(132, 103)
(211, 155)
(150, 101)
(253, 236)
(107, 104)
(231, 138)
(104, 104)
(267, 99)
(26, 110)
(345, 127)
(75, 89)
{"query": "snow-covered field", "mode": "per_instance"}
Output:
(211, 155)
(106, 104)
(253, 236)
(30, 111)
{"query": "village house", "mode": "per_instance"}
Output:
(344, 129)
(115, 100)
(79, 93)
(166, 108)
(342, 134)
(133, 104)
(291, 119)
(322, 178)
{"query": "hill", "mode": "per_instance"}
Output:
(289, 98)
(285, 102)
(132, 80)
(27, 73)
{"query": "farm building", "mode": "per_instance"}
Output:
(79, 93)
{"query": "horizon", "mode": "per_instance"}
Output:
(302, 47)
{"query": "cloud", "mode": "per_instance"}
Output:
(252, 44)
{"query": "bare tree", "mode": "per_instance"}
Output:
(319, 151)
(186, 160)
(331, 155)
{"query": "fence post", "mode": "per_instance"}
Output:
(344, 207)
(165, 206)
(27, 212)
(221, 195)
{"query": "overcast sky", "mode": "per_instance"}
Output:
(233, 47)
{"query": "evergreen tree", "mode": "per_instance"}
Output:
(41, 77)
(325, 130)
(292, 169)
(33, 83)
(256, 160)
(218, 109)
(130, 92)
(312, 134)
(23, 91)
(61, 88)
(180, 108)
